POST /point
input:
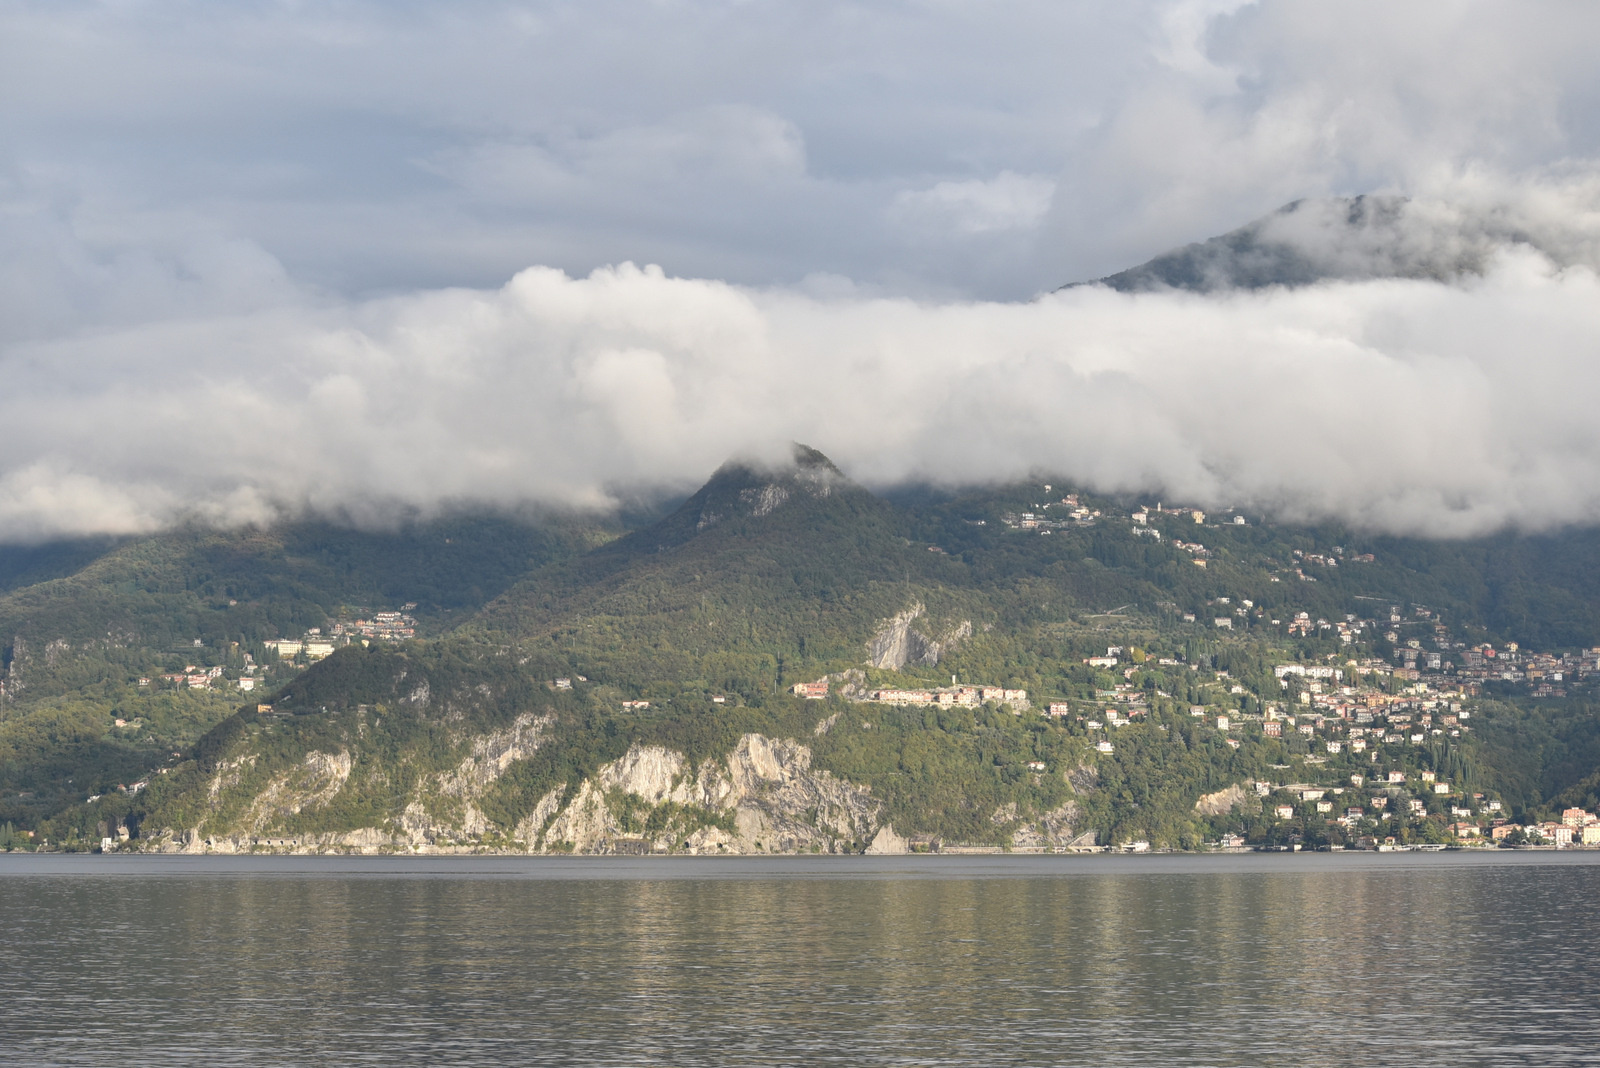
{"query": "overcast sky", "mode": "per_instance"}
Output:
(264, 257)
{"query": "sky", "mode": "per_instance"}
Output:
(370, 260)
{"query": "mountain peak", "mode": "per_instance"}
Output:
(746, 489)
(806, 470)
(1325, 239)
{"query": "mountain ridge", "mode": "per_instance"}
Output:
(1334, 239)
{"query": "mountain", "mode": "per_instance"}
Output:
(702, 677)
(1335, 239)
(632, 692)
(762, 575)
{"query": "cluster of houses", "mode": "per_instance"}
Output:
(1335, 709)
(1449, 664)
(952, 696)
(1330, 559)
(200, 678)
(190, 677)
(1069, 513)
(1443, 665)
(394, 626)
(1576, 827)
(1356, 711)
(1360, 709)
(1474, 818)
(314, 645)
(1393, 788)
(1545, 674)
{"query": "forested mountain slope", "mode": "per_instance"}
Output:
(639, 692)
(86, 621)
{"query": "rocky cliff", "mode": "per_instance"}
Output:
(897, 643)
(765, 797)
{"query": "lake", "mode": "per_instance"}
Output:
(1320, 959)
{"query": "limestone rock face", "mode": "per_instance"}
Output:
(887, 842)
(897, 643)
(763, 797)
(1223, 801)
(316, 781)
(229, 774)
(493, 753)
(1055, 829)
(783, 805)
(585, 824)
(441, 814)
(533, 824)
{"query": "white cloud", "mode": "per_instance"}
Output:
(371, 147)
(727, 145)
(1272, 102)
(1186, 25)
(251, 256)
(1420, 406)
(1008, 201)
(43, 500)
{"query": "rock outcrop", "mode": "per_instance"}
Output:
(887, 842)
(764, 797)
(897, 643)
(1057, 829)
(1223, 801)
(311, 784)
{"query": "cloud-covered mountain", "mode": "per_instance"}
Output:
(1442, 401)
(1357, 239)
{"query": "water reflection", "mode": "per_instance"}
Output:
(1483, 964)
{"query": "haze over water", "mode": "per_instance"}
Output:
(1312, 960)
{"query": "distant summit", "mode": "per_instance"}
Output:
(743, 490)
(1331, 239)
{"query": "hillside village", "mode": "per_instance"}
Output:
(1359, 731)
(242, 672)
(1359, 744)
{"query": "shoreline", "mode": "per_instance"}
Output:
(948, 851)
(767, 866)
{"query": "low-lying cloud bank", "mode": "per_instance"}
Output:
(1431, 407)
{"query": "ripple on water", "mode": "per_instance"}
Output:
(1310, 964)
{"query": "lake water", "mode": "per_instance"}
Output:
(1252, 960)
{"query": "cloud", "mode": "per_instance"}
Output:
(731, 144)
(370, 147)
(253, 258)
(1008, 201)
(1254, 105)
(1436, 407)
